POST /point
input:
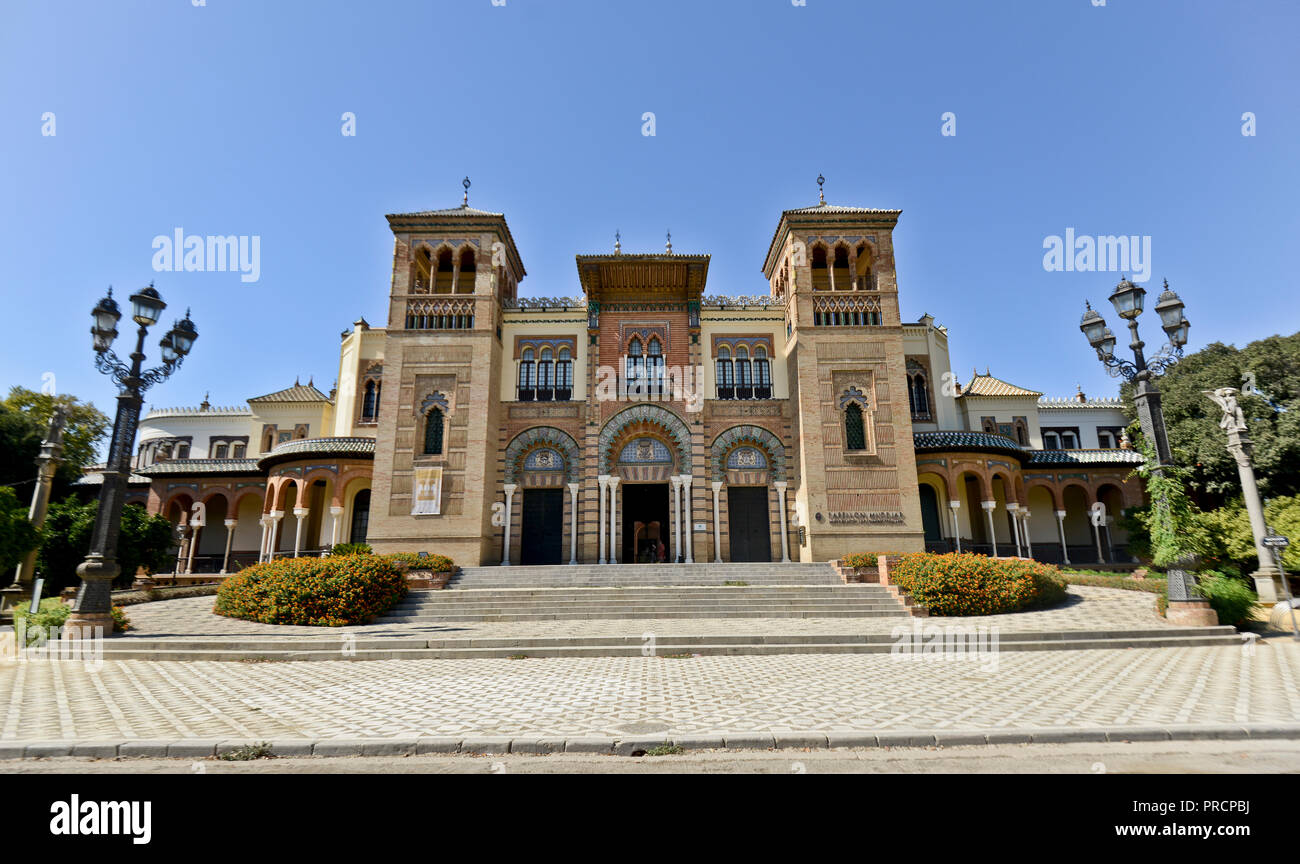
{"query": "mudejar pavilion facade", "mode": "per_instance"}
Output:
(645, 420)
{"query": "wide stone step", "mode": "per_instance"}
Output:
(620, 615)
(667, 647)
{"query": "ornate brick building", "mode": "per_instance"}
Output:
(647, 419)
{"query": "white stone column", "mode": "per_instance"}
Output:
(780, 503)
(687, 516)
(1014, 510)
(717, 522)
(195, 526)
(336, 523)
(677, 518)
(1060, 525)
(993, 534)
(505, 541)
(603, 482)
(613, 520)
(1029, 545)
(263, 521)
(300, 513)
(573, 523)
(954, 506)
(230, 537)
(276, 516)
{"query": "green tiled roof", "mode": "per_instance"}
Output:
(1113, 456)
(987, 441)
(184, 467)
(304, 448)
(964, 441)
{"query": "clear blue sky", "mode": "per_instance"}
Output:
(225, 119)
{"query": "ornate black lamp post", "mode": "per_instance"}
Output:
(94, 599)
(1128, 300)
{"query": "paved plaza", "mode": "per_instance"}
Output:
(655, 696)
(1086, 608)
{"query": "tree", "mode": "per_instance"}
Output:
(24, 419)
(1269, 367)
(17, 535)
(145, 541)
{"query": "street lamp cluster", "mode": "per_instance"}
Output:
(94, 598)
(1128, 299)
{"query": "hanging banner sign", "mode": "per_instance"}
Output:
(426, 499)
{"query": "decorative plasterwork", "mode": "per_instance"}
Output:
(747, 436)
(669, 424)
(541, 438)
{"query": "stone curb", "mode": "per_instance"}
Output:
(198, 748)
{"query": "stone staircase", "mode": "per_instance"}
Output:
(669, 647)
(643, 576)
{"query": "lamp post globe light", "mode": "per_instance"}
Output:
(1128, 298)
(94, 600)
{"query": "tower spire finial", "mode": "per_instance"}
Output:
(821, 193)
(670, 243)
(466, 184)
(618, 243)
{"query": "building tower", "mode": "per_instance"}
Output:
(440, 407)
(856, 471)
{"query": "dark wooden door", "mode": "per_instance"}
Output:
(542, 532)
(748, 526)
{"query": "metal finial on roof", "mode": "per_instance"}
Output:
(670, 243)
(466, 184)
(618, 243)
(821, 193)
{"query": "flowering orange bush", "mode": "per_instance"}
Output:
(321, 592)
(966, 584)
(861, 559)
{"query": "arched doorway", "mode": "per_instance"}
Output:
(360, 517)
(645, 465)
(930, 518)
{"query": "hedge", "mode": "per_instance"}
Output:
(860, 560)
(968, 584)
(319, 592)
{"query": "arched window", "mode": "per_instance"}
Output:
(465, 283)
(726, 381)
(433, 432)
(545, 387)
(855, 435)
(237, 452)
(762, 374)
(421, 272)
(656, 368)
(866, 280)
(821, 277)
(744, 380)
(446, 272)
(842, 276)
(564, 376)
(635, 366)
(1051, 441)
(219, 451)
(527, 385)
(370, 403)
(918, 396)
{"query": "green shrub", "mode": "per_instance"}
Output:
(352, 549)
(967, 584)
(320, 592)
(1231, 598)
(412, 561)
(52, 613)
(862, 559)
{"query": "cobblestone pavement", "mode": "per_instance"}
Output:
(620, 696)
(1086, 608)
